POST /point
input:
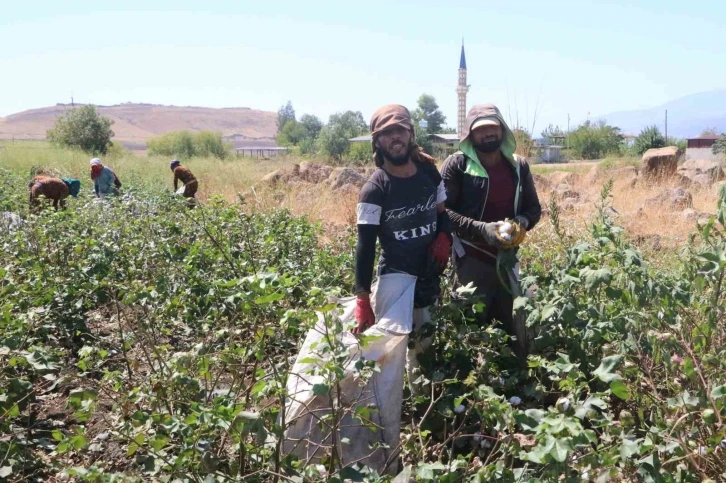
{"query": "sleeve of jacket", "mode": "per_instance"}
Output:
(452, 173)
(530, 206)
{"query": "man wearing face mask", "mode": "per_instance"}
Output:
(487, 183)
(401, 205)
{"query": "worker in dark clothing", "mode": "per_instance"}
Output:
(487, 185)
(186, 177)
(401, 205)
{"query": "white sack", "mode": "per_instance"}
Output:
(383, 394)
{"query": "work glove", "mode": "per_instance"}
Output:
(363, 314)
(489, 232)
(520, 230)
(439, 251)
(522, 221)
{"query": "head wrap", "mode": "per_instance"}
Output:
(174, 163)
(96, 168)
(389, 116)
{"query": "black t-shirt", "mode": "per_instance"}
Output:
(405, 209)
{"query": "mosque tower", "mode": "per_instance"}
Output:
(461, 90)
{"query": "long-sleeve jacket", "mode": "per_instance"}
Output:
(106, 183)
(467, 182)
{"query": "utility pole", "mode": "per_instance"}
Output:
(666, 126)
(568, 130)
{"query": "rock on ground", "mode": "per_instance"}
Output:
(676, 198)
(661, 162)
(593, 175)
(349, 188)
(540, 182)
(701, 171)
(562, 178)
(314, 173)
(341, 176)
(273, 177)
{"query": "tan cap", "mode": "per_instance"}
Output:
(485, 121)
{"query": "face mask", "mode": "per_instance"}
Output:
(489, 146)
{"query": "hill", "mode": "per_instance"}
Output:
(135, 123)
(687, 116)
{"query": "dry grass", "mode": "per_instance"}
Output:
(655, 229)
(652, 228)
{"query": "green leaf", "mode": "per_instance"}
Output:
(594, 278)
(321, 389)
(561, 449)
(620, 390)
(605, 371)
(159, 441)
(628, 449)
(520, 303)
(548, 312)
(718, 392)
(267, 299)
(133, 447)
(258, 387)
(79, 441)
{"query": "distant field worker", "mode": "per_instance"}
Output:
(105, 181)
(55, 189)
(188, 180)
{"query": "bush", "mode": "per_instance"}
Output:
(117, 151)
(82, 128)
(649, 138)
(595, 140)
(360, 153)
(185, 145)
(306, 146)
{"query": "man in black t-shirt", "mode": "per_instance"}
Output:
(401, 205)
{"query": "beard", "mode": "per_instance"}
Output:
(400, 159)
(489, 145)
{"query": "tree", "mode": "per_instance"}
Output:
(428, 110)
(292, 133)
(551, 132)
(350, 121)
(185, 145)
(595, 140)
(82, 128)
(719, 147)
(333, 139)
(649, 138)
(422, 139)
(709, 131)
(313, 124)
(524, 141)
(284, 114)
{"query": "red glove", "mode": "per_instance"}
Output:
(364, 315)
(440, 250)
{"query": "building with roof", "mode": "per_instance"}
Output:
(702, 148)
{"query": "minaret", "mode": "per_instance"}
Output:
(461, 90)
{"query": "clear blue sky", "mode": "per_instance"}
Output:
(574, 56)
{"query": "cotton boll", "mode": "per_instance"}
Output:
(506, 227)
(506, 236)
(515, 401)
(459, 409)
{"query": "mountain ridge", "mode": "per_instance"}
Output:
(135, 123)
(688, 116)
